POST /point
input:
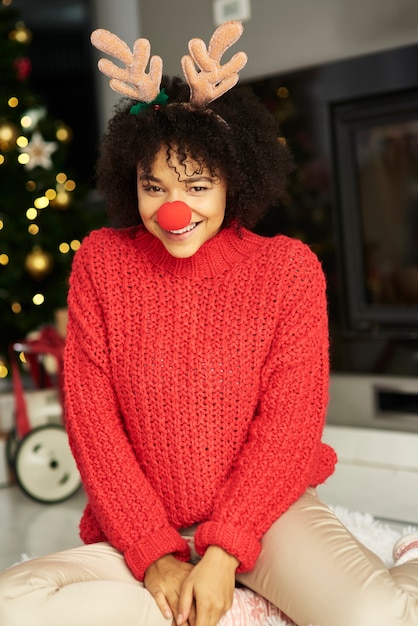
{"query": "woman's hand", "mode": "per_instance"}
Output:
(164, 580)
(207, 592)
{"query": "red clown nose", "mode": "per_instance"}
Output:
(174, 215)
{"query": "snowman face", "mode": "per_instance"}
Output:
(45, 468)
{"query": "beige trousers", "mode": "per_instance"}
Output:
(310, 566)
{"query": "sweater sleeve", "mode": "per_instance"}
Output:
(127, 509)
(283, 454)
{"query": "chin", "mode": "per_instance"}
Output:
(182, 254)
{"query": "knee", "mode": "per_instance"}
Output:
(395, 610)
(6, 600)
(14, 611)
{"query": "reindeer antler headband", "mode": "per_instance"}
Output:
(206, 77)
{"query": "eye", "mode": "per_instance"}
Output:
(152, 189)
(198, 188)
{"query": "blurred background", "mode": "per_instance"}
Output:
(341, 77)
(306, 61)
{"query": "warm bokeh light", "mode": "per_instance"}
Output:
(41, 203)
(51, 194)
(32, 213)
(69, 185)
(23, 158)
(3, 370)
(64, 248)
(26, 121)
(283, 92)
(22, 141)
(38, 299)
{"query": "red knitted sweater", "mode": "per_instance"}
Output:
(196, 389)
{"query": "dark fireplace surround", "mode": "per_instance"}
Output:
(353, 128)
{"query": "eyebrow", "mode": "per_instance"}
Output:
(192, 179)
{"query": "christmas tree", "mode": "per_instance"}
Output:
(43, 214)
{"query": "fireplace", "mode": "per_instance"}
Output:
(353, 127)
(376, 172)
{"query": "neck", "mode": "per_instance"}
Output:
(228, 248)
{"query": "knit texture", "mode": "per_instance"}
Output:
(196, 389)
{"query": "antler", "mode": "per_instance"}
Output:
(132, 80)
(212, 80)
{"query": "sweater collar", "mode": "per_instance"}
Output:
(217, 255)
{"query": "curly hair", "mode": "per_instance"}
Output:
(237, 138)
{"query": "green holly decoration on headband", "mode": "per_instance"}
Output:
(162, 98)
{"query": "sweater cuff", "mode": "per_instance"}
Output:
(152, 547)
(236, 541)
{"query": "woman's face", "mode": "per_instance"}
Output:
(174, 181)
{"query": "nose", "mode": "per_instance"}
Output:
(174, 215)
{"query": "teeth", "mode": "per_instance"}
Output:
(184, 230)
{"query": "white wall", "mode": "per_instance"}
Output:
(123, 19)
(284, 34)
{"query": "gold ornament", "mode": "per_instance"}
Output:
(38, 263)
(8, 135)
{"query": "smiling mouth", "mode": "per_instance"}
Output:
(187, 229)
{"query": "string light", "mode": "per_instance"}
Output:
(23, 158)
(41, 203)
(38, 299)
(32, 213)
(51, 194)
(26, 121)
(69, 185)
(4, 372)
(21, 34)
(283, 92)
(22, 141)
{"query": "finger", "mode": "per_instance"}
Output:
(192, 615)
(185, 604)
(163, 604)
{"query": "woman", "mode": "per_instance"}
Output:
(196, 373)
